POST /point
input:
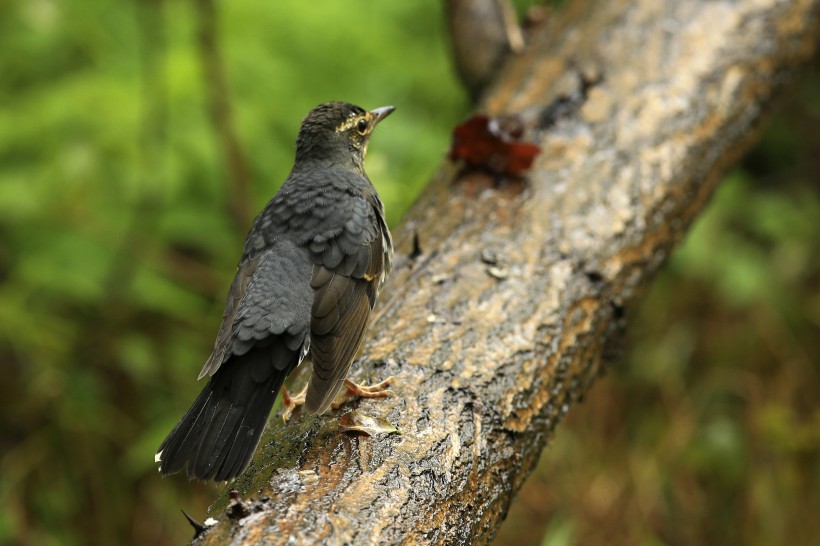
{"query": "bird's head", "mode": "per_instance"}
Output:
(338, 131)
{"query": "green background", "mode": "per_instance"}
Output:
(117, 244)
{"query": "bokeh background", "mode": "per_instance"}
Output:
(133, 150)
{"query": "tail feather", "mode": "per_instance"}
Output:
(236, 461)
(218, 435)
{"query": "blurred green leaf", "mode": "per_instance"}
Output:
(560, 532)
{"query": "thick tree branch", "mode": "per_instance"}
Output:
(505, 319)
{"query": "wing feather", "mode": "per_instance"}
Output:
(239, 286)
(350, 265)
(336, 336)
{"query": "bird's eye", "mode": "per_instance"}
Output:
(361, 127)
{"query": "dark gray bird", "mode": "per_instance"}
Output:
(312, 268)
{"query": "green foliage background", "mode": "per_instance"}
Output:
(116, 240)
(117, 245)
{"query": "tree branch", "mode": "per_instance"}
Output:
(508, 315)
(221, 115)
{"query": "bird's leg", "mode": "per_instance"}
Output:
(377, 390)
(292, 402)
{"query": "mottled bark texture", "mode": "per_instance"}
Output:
(516, 301)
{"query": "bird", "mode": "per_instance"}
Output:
(313, 264)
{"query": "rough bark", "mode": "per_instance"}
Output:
(516, 301)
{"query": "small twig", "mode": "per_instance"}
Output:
(515, 38)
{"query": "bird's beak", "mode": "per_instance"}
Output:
(381, 113)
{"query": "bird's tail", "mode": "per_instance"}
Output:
(221, 430)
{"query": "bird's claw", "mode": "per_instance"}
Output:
(291, 403)
(377, 390)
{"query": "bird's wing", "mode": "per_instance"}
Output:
(239, 286)
(350, 267)
(270, 296)
(276, 302)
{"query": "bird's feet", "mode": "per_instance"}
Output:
(292, 402)
(376, 390)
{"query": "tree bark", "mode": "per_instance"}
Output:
(516, 302)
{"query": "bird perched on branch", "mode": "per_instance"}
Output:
(312, 268)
